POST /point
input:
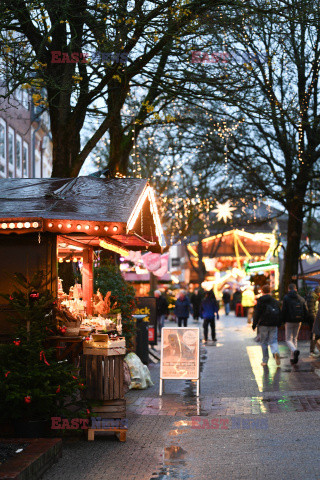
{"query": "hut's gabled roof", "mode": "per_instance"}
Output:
(123, 209)
(80, 198)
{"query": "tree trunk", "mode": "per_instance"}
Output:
(292, 254)
(65, 148)
(120, 144)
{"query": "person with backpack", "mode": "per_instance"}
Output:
(294, 312)
(267, 315)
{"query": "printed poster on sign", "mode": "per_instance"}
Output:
(179, 353)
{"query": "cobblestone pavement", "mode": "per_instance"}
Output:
(250, 422)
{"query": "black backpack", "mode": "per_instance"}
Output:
(296, 310)
(271, 314)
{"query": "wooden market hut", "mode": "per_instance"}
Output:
(228, 251)
(41, 219)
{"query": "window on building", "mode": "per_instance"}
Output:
(3, 156)
(25, 159)
(18, 156)
(25, 98)
(19, 94)
(11, 151)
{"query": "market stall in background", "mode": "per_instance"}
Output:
(232, 257)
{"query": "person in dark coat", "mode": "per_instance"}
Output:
(182, 309)
(312, 304)
(294, 312)
(267, 315)
(195, 300)
(162, 309)
(209, 309)
(226, 298)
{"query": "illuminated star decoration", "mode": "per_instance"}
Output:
(224, 211)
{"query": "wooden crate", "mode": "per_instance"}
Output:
(104, 376)
(96, 349)
(109, 409)
(121, 433)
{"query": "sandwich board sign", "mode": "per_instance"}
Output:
(180, 359)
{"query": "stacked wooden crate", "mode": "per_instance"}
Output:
(105, 389)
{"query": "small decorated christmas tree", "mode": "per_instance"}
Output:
(34, 385)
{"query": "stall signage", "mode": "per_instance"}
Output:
(179, 353)
(147, 306)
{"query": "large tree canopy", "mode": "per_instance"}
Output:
(271, 91)
(59, 48)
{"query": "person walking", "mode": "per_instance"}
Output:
(267, 316)
(226, 298)
(313, 304)
(195, 300)
(248, 301)
(294, 312)
(316, 329)
(236, 300)
(182, 309)
(209, 309)
(162, 309)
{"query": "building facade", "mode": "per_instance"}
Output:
(25, 139)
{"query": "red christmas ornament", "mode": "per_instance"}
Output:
(58, 389)
(43, 357)
(88, 411)
(6, 374)
(74, 377)
(17, 342)
(27, 399)
(10, 298)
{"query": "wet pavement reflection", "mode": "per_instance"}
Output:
(174, 461)
(287, 377)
